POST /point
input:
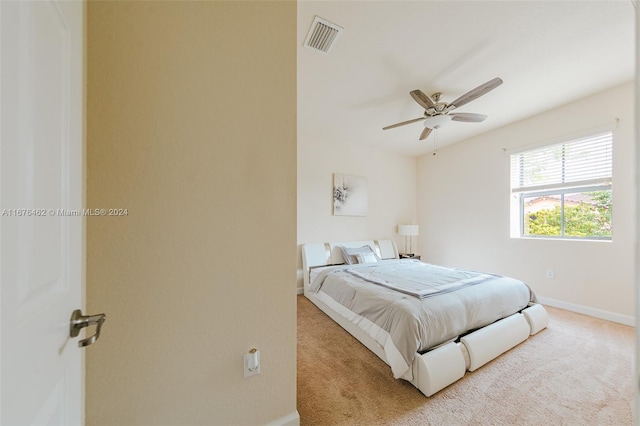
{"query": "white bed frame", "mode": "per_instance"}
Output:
(440, 367)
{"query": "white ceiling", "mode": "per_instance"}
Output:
(548, 53)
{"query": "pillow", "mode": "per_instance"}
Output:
(366, 258)
(349, 254)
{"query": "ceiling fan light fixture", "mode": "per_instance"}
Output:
(437, 121)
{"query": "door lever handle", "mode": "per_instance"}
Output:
(79, 321)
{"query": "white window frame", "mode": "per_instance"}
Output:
(521, 190)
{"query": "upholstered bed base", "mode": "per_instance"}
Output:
(444, 365)
(447, 364)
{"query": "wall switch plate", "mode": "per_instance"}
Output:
(251, 363)
(551, 274)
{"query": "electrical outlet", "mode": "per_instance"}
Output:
(251, 363)
(551, 274)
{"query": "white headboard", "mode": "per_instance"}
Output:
(322, 254)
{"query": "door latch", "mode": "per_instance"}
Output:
(79, 321)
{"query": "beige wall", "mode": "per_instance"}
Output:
(191, 127)
(463, 208)
(391, 181)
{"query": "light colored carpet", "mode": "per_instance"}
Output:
(578, 371)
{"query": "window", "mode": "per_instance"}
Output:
(563, 190)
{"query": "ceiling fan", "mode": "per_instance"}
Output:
(437, 113)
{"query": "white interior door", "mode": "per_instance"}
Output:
(41, 248)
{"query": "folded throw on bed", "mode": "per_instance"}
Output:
(418, 279)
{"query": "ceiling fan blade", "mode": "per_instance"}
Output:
(467, 117)
(475, 93)
(424, 100)
(425, 133)
(403, 123)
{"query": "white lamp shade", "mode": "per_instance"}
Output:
(408, 230)
(436, 121)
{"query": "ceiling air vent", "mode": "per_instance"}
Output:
(322, 35)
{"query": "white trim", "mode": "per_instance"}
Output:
(291, 419)
(300, 290)
(592, 312)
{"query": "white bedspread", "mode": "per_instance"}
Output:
(406, 324)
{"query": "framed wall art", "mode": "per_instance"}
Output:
(349, 195)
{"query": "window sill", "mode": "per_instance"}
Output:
(584, 240)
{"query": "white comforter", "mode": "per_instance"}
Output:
(405, 324)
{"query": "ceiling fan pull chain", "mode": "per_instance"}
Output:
(435, 142)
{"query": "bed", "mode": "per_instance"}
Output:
(429, 323)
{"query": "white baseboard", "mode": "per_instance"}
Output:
(300, 290)
(292, 419)
(592, 312)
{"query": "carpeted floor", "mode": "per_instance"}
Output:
(578, 371)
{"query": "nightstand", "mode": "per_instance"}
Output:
(415, 256)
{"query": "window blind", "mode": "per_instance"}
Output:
(581, 162)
